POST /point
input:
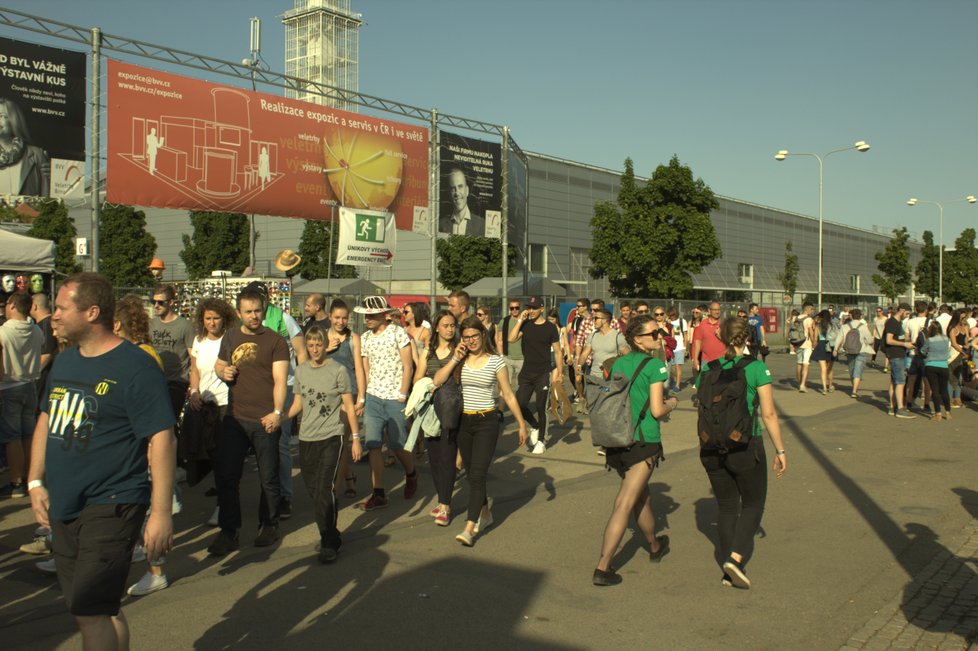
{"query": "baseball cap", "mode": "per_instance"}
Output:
(533, 302)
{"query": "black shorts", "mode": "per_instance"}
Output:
(92, 554)
(621, 459)
(916, 365)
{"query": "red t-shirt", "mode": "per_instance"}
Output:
(711, 347)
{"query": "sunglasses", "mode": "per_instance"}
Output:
(514, 308)
(658, 314)
(648, 334)
(642, 311)
(156, 302)
(480, 313)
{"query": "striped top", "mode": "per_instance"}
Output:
(479, 385)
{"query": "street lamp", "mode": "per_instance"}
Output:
(913, 201)
(861, 146)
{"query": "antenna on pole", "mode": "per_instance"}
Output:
(254, 43)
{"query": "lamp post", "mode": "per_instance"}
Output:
(913, 201)
(861, 146)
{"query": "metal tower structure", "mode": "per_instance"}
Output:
(322, 45)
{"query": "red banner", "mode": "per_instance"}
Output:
(177, 142)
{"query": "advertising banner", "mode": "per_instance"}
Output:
(177, 142)
(471, 185)
(367, 238)
(42, 135)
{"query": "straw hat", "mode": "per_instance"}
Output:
(287, 260)
(373, 305)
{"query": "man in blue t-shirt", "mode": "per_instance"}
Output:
(755, 321)
(104, 402)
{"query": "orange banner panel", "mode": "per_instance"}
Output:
(177, 142)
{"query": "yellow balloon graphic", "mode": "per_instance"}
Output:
(364, 169)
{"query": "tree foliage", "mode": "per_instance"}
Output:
(894, 265)
(961, 270)
(928, 268)
(53, 223)
(462, 260)
(219, 241)
(313, 247)
(789, 277)
(125, 248)
(655, 237)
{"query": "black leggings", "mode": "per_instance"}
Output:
(477, 436)
(441, 457)
(739, 481)
(528, 385)
(937, 378)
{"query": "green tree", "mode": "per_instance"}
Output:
(53, 223)
(653, 238)
(894, 265)
(928, 268)
(462, 260)
(789, 277)
(313, 245)
(961, 270)
(219, 241)
(125, 248)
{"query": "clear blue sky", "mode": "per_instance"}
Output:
(723, 84)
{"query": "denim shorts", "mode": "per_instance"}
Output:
(378, 414)
(679, 357)
(898, 370)
(856, 365)
(804, 356)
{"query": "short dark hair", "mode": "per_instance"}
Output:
(247, 294)
(92, 289)
(806, 304)
(856, 313)
(904, 306)
(167, 290)
(752, 306)
(604, 313)
(624, 304)
(639, 304)
(584, 300)
(463, 298)
(20, 302)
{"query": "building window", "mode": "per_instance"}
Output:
(580, 264)
(746, 274)
(538, 259)
(854, 284)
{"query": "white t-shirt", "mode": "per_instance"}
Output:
(212, 389)
(912, 327)
(383, 352)
(680, 334)
(944, 319)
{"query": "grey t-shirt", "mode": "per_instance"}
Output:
(173, 342)
(604, 347)
(320, 389)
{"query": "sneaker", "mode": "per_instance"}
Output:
(267, 536)
(327, 555)
(466, 538)
(180, 475)
(601, 578)
(40, 545)
(212, 521)
(889, 412)
(443, 518)
(13, 490)
(435, 511)
(47, 566)
(534, 436)
(485, 521)
(410, 485)
(853, 396)
(138, 553)
(802, 390)
(375, 502)
(903, 413)
(736, 573)
(663, 541)
(149, 583)
(539, 448)
(726, 581)
(223, 544)
(936, 418)
(602, 453)
(285, 508)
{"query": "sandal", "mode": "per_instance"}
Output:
(351, 483)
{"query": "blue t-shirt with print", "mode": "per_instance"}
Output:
(101, 411)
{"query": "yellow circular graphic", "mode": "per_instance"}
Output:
(364, 169)
(244, 354)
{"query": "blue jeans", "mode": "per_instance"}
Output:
(285, 451)
(233, 440)
(379, 413)
(856, 365)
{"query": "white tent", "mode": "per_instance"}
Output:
(22, 253)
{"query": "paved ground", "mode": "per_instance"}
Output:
(869, 541)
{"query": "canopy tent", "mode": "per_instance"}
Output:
(338, 287)
(536, 286)
(22, 253)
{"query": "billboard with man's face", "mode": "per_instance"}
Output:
(471, 186)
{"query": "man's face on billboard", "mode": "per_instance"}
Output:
(459, 189)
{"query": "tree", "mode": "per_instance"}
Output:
(125, 248)
(462, 260)
(219, 241)
(894, 265)
(789, 278)
(313, 246)
(961, 270)
(655, 237)
(53, 223)
(928, 268)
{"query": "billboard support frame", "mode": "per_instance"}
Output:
(96, 40)
(434, 160)
(504, 208)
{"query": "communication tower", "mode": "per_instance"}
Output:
(322, 43)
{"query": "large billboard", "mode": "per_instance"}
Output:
(177, 142)
(471, 186)
(42, 133)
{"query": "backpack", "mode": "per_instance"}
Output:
(796, 333)
(724, 422)
(921, 337)
(831, 334)
(610, 407)
(852, 344)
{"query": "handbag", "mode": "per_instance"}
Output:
(448, 404)
(559, 405)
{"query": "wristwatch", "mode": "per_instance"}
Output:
(278, 411)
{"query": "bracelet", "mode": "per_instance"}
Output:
(456, 360)
(193, 391)
(34, 483)
(779, 451)
(357, 437)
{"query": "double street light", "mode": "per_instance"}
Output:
(861, 146)
(913, 201)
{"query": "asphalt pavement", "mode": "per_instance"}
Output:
(870, 540)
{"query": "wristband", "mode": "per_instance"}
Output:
(401, 396)
(361, 401)
(34, 483)
(779, 451)
(278, 412)
(357, 437)
(456, 360)
(193, 391)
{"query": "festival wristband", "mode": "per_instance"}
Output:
(779, 451)
(34, 483)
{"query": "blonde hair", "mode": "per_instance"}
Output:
(733, 333)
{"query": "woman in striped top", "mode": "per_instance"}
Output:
(479, 371)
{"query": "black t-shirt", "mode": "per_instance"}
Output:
(50, 347)
(894, 327)
(537, 343)
(311, 321)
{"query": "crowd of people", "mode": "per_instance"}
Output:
(107, 409)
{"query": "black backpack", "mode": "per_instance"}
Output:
(796, 332)
(725, 422)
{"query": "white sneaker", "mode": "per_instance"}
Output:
(534, 435)
(138, 553)
(46, 566)
(149, 583)
(539, 448)
(212, 521)
(601, 452)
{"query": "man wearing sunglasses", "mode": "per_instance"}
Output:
(513, 352)
(173, 337)
(540, 338)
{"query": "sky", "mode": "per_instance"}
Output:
(722, 84)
